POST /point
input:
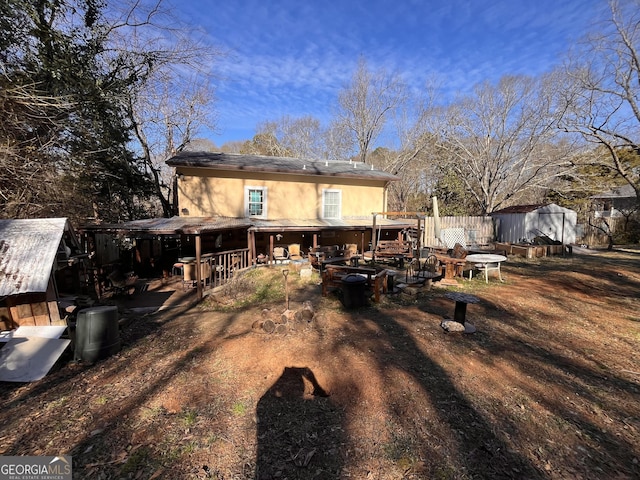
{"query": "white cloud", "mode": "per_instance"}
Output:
(292, 57)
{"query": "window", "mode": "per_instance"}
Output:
(255, 202)
(331, 204)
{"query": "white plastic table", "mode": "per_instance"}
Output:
(486, 262)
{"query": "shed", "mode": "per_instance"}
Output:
(522, 223)
(31, 251)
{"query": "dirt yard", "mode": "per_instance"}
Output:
(547, 388)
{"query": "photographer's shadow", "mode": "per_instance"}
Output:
(300, 431)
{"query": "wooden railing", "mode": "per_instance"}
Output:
(225, 264)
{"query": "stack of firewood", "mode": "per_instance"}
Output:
(272, 322)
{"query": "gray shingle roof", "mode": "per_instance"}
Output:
(624, 191)
(285, 165)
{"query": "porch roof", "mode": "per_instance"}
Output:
(199, 225)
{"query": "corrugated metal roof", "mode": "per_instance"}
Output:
(519, 209)
(361, 222)
(286, 165)
(195, 225)
(28, 249)
(171, 226)
(539, 208)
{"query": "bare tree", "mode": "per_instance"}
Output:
(167, 116)
(264, 142)
(296, 137)
(502, 141)
(338, 143)
(414, 159)
(366, 103)
(602, 92)
(174, 103)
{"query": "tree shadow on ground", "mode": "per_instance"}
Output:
(481, 449)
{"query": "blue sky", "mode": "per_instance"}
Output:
(292, 57)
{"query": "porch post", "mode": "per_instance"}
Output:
(251, 243)
(198, 266)
(271, 249)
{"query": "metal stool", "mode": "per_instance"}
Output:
(177, 269)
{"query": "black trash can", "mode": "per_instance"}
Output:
(97, 333)
(353, 287)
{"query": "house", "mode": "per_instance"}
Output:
(286, 200)
(38, 258)
(250, 204)
(616, 202)
(522, 223)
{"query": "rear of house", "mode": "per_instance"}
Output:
(274, 188)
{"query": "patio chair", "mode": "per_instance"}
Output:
(294, 252)
(430, 268)
(280, 254)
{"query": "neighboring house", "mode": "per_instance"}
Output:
(615, 203)
(522, 223)
(38, 259)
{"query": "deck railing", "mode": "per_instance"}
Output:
(225, 264)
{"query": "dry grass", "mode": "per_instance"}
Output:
(547, 387)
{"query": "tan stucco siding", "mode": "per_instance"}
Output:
(221, 193)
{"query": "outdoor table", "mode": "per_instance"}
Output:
(451, 265)
(461, 299)
(486, 262)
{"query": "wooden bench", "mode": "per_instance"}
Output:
(318, 255)
(333, 274)
(393, 249)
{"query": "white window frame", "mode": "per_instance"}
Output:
(247, 191)
(324, 204)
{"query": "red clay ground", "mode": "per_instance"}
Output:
(548, 387)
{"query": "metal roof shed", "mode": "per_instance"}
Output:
(522, 223)
(29, 251)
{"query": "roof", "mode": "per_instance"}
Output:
(170, 226)
(198, 225)
(284, 165)
(542, 207)
(28, 251)
(624, 191)
(520, 209)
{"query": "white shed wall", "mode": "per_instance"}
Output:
(511, 227)
(556, 222)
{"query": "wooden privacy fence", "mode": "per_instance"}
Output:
(594, 236)
(478, 230)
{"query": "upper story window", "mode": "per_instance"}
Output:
(255, 202)
(331, 204)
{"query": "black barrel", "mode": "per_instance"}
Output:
(97, 333)
(353, 287)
